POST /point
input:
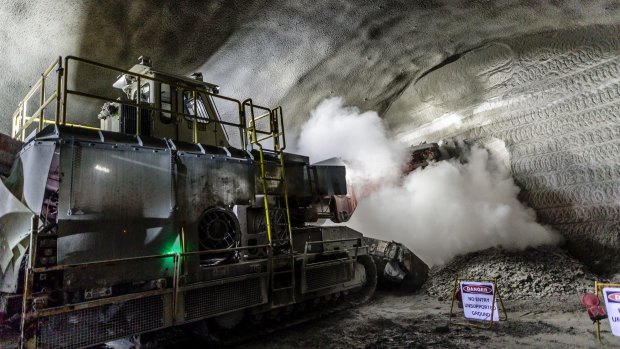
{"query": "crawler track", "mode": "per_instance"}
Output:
(297, 314)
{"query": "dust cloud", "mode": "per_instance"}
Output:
(448, 208)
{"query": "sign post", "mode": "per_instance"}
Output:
(480, 302)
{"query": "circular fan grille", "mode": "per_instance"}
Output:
(218, 229)
(278, 224)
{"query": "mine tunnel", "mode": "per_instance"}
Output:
(315, 175)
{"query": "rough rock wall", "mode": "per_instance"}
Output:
(550, 104)
(536, 81)
(543, 95)
(179, 36)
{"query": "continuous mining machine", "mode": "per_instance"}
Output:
(174, 206)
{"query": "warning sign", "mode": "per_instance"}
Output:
(478, 299)
(612, 303)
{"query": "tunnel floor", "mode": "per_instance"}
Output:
(420, 321)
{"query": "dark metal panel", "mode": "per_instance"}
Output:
(338, 232)
(119, 138)
(302, 235)
(238, 153)
(297, 180)
(151, 142)
(181, 146)
(69, 133)
(206, 180)
(328, 180)
(115, 203)
(115, 183)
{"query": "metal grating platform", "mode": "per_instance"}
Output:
(86, 327)
(321, 277)
(217, 299)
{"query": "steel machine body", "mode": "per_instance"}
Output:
(161, 212)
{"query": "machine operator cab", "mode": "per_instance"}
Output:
(167, 107)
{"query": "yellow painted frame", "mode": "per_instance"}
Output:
(599, 287)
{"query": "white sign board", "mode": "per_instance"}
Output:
(612, 303)
(477, 299)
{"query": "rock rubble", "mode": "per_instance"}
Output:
(541, 272)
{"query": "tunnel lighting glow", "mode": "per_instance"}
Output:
(450, 121)
(102, 169)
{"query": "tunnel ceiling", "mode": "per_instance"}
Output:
(537, 82)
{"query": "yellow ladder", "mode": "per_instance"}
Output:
(277, 135)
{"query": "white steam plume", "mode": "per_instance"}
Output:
(358, 138)
(446, 209)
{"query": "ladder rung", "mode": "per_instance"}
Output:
(273, 162)
(283, 288)
(263, 138)
(281, 257)
(273, 179)
(264, 115)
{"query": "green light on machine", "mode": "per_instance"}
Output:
(175, 248)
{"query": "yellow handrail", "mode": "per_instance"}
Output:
(31, 119)
(21, 121)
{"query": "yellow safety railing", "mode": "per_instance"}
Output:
(139, 105)
(177, 272)
(62, 94)
(21, 119)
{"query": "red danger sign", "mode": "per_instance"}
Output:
(477, 289)
(614, 297)
(478, 301)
